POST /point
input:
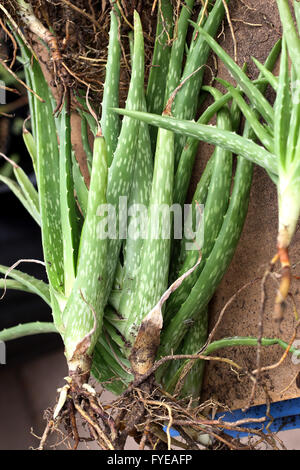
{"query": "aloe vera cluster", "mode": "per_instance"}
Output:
(103, 289)
(276, 127)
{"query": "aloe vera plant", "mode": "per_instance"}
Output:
(82, 268)
(279, 134)
(120, 301)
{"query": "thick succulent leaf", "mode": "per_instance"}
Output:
(109, 121)
(226, 139)
(36, 286)
(84, 310)
(27, 203)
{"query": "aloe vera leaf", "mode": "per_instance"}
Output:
(84, 309)
(247, 341)
(294, 124)
(101, 370)
(256, 98)
(226, 139)
(116, 366)
(153, 273)
(187, 159)
(69, 221)
(31, 148)
(85, 141)
(120, 175)
(48, 180)
(27, 329)
(114, 335)
(176, 59)
(260, 131)
(26, 56)
(15, 188)
(297, 13)
(29, 190)
(272, 80)
(109, 121)
(186, 100)
(282, 108)
(36, 286)
(215, 208)
(200, 195)
(138, 201)
(14, 285)
(192, 343)
(235, 112)
(218, 260)
(185, 166)
(237, 207)
(290, 33)
(224, 247)
(79, 186)
(155, 94)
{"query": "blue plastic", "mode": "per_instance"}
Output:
(286, 415)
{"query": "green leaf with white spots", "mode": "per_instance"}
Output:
(272, 80)
(152, 280)
(194, 340)
(178, 47)
(211, 222)
(256, 98)
(186, 100)
(225, 139)
(27, 329)
(84, 310)
(139, 200)
(33, 285)
(69, 220)
(223, 250)
(15, 188)
(110, 123)
(121, 171)
(31, 148)
(156, 86)
(282, 108)
(290, 33)
(48, 180)
(80, 188)
(260, 131)
(29, 191)
(85, 140)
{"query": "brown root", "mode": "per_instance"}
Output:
(285, 284)
(147, 413)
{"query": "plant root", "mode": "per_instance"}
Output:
(285, 283)
(146, 413)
